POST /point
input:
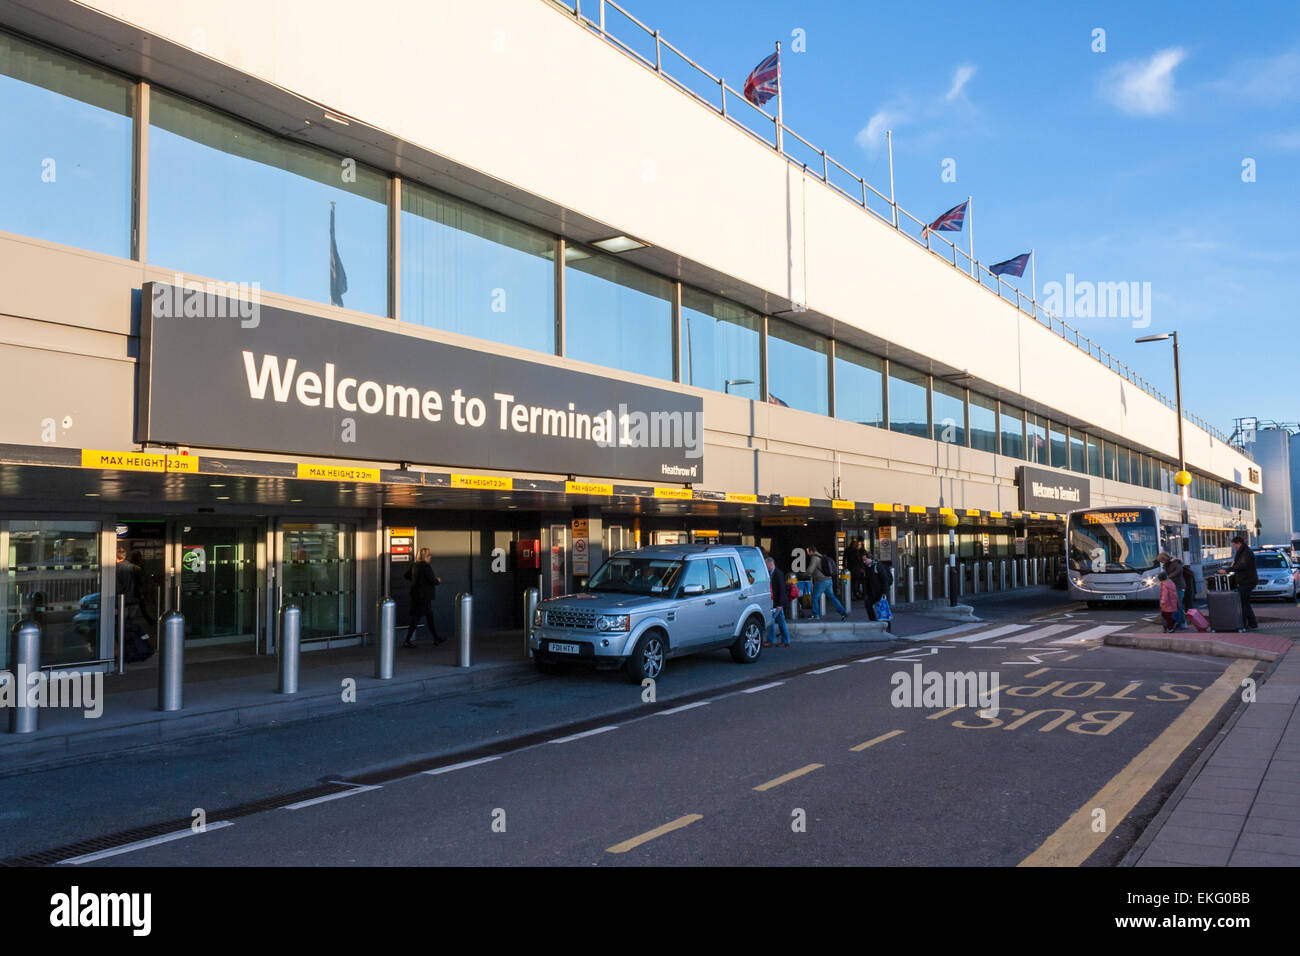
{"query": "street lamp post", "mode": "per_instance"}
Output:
(726, 386)
(1182, 476)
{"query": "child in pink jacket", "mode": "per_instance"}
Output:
(1168, 602)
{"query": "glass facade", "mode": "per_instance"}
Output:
(238, 204)
(1076, 452)
(52, 575)
(796, 367)
(949, 413)
(1036, 439)
(1013, 431)
(1060, 457)
(468, 270)
(983, 423)
(859, 386)
(66, 156)
(908, 401)
(720, 344)
(617, 315)
(320, 577)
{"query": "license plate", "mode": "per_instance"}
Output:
(1114, 597)
(563, 648)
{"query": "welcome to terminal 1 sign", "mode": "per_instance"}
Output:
(1052, 491)
(219, 374)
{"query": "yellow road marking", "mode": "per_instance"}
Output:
(787, 777)
(1075, 841)
(649, 835)
(1041, 670)
(1070, 658)
(875, 740)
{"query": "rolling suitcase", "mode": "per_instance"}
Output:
(1224, 606)
(1198, 620)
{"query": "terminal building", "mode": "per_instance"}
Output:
(288, 292)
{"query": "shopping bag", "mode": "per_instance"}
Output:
(883, 611)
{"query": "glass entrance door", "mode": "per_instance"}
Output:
(319, 576)
(217, 571)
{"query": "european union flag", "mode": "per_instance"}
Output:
(1013, 267)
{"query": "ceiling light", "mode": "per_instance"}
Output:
(223, 497)
(572, 254)
(214, 484)
(618, 244)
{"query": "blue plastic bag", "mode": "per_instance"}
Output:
(883, 611)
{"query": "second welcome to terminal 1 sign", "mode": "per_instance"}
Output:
(219, 372)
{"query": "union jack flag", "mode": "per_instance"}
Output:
(765, 82)
(773, 400)
(1013, 267)
(951, 221)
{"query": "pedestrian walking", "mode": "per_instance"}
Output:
(856, 567)
(1168, 602)
(780, 602)
(875, 589)
(1245, 578)
(824, 573)
(424, 587)
(1173, 569)
(128, 578)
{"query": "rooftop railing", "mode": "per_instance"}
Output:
(621, 29)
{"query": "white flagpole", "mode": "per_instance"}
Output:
(889, 141)
(1033, 280)
(971, 235)
(780, 121)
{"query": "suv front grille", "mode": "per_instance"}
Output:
(571, 618)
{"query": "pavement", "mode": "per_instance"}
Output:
(1240, 804)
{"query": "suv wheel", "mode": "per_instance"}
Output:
(750, 643)
(648, 658)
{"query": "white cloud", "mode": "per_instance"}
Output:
(1145, 87)
(1287, 141)
(1267, 80)
(960, 77)
(871, 137)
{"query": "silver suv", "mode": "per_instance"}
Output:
(644, 606)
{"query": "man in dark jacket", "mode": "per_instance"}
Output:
(873, 585)
(1245, 578)
(424, 587)
(780, 602)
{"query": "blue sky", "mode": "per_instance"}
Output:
(1122, 165)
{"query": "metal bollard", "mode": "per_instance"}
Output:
(794, 604)
(121, 633)
(386, 645)
(26, 664)
(1015, 578)
(531, 596)
(1002, 575)
(290, 624)
(464, 628)
(820, 609)
(171, 662)
(929, 582)
(846, 589)
(911, 584)
(961, 578)
(974, 577)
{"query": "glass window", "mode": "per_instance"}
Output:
(859, 386)
(726, 577)
(983, 423)
(720, 344)
(53, 577)
(1108, 459)
(1059, 459)
(1076, 452)
(238, 204)
(617, 315)
(1036, 440)
(1145, 467)
(949, 413)
(1013, 431)
(796, 367)
(907, 401)
(471, 271)
(1122, 465)
(320, 577)
(66, 156)
(1094, 456)
(696, 575)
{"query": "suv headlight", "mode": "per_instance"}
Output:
(612, 622)
(539, 617)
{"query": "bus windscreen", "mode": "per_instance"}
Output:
(1116, 541)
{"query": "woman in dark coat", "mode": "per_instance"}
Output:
(424, 587)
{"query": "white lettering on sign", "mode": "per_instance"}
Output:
(1056, 492)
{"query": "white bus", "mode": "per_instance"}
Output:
(1110, 553)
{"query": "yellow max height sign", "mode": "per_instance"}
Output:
(679, 494)
(588, 488)
(138, 461)
(482, 482)
(337, 473)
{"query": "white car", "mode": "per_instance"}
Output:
(1277, 576)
